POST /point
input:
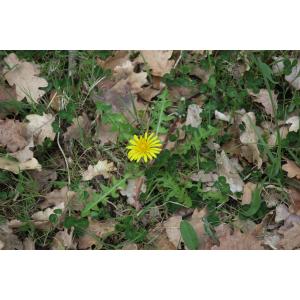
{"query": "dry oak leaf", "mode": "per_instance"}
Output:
(294, 121)
(103, 168)
(158, 61)
(291, 238)
(13, 135)
(249, 139)
(263, 98)
(193, 116)
(63, 240)
(249, 188)
(133, 190)
(24, 76)
(16, 167)
(229, 170)
(57, 197)
(292, 169)
(80, 127)
(95, 231)
(172, 227)
(238, 241)
(41, 127)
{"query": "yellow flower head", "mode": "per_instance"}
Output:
(146, 147)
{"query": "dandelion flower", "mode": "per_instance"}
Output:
(146, 147)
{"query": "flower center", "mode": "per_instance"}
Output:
(143, 146)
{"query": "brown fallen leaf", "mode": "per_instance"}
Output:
(102, 168)
(177, 93)
(63, 240)
(8, 240)
(43, 178)
(24, 76)
(201, 73)
(282, 213)
(113, 61)
(292, 169)
(95, 231)
(149, 92)
(238, 241)
(80, 128)
(40, 127)
(249, 139)
(230, 171)
(13, 135)
(133, 190)
(104, 133)
(16, 167)
(28, 244)
(294, 195)
(159, 238)
(263, 98)
(58, 197)
(57, 101)
(291, 238)
(193, 117)
(43, 215)
(172, 227)
(158, 61)
(249, 188)
(7, 93)
(130, 246)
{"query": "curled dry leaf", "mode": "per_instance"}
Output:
(158, 61)
(193, 116)
(24, 76)
(16, 167)
(293, 78)
(172, 227)
(292, 169)
(80, 128)
(223, 116)
(294, 121)
(40, 127)
(249, 139)
(103, 168)
(133, 190)
(263, 97)
(249, 188)
(227, 169)
(95, 231)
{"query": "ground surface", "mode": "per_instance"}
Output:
(228, 175)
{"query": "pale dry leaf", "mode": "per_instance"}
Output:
(13, 135)
(40, 127)
(230, 172)
(24, 76)
(96, 230)
(63, 240)
(16, 167)
(293, 78)
(292, 169)
(102, 168)
(294, 195)
(178, 93)
(58, 197)
(133, 190)
(263, 98)
(294, 121)
(43, 215)
(159, 238)
(249, 139)
(113, 61)
(291, 238)
(249, 188)
(201, 73)
(223, 116)
(239, 241)
(149, 92)
(80, 128)
(130, 246)
(282, 213)
(193, 116)
(28, 244)
(273, 138)
(158, 61)
(8, 240)
(172, 227)
(208, 178)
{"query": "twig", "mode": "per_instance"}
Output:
(178, 60)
